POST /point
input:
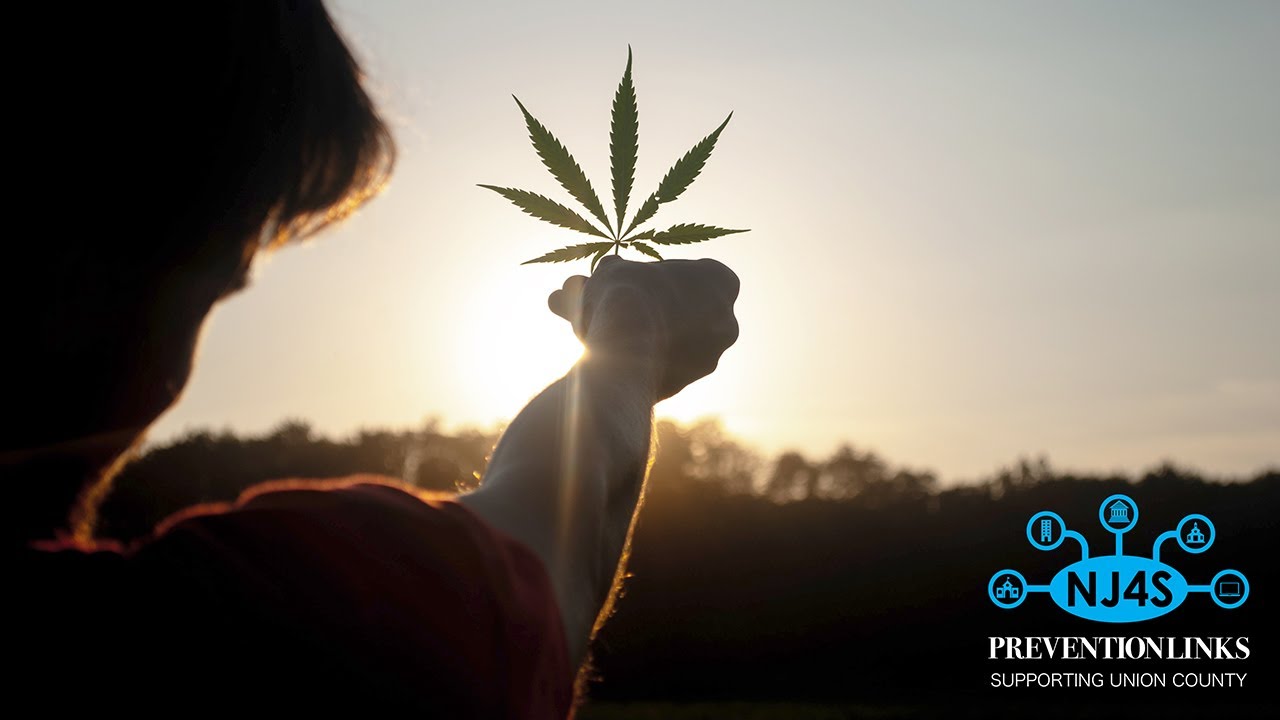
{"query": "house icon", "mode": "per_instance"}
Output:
(1008, 591)
(1195, 537)
(1119, 512)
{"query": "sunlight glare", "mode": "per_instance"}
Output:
(507, 353)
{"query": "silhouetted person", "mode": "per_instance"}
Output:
(197, 137)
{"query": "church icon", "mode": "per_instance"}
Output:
(1008, 591)
(1195, 537)
(1119, 512)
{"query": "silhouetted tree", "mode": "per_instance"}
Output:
(747, 587)
(793, 478)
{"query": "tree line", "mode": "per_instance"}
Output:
(793, 577)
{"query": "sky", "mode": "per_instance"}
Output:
(978, 230)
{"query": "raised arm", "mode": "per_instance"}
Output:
(568, 474)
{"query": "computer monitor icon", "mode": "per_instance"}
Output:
(1228, 589)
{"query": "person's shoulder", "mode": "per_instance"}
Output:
(332, 530)
(413, 584)
(288, 536)
(383, 595)
(296, 497)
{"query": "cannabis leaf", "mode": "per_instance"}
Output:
(623, 147)
(547, 209)
(686, 233)
(624, 141)
(646, 250)
(679, 177)
(573, 252)
(563, 167)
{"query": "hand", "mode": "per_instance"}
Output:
(674, 316)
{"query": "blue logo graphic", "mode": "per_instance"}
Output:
(1118, 588)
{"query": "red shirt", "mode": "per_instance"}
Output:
(361, 598)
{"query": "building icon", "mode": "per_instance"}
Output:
(1046, 530)
(1119, 512)
(1008, 591)
(1195, 537)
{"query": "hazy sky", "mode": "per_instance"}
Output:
(978, 229)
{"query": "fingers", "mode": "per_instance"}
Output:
(723, 278)
(608, 260)
(692, 299)
(726, 332)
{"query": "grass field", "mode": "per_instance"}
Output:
(807, 711)
(742, 711)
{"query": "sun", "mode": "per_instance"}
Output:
(511, 347)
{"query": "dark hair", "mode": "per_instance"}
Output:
(172, 141)
(275, 120)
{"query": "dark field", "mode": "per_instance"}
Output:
(803, 711)
(827, 588)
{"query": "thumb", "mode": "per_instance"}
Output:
(567, 301)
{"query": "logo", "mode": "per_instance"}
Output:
(1118, 588)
